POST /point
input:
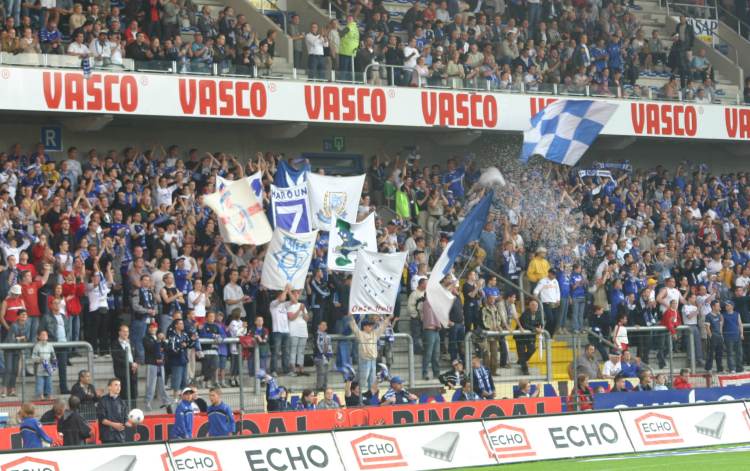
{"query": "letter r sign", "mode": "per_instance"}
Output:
(52, 138)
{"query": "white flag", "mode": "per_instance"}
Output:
(287, 259)
(291, 208)
(241, 217)
(255, 180)
(344, 240)
(376, 281)
(334, 197)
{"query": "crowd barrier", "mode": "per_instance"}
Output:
(157, 427)
(670, 397)
(431, 446)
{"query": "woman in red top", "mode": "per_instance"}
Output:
(582, 397)
(72, 291)
(671, 319)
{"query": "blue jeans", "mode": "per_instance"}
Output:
(13, 8)
(344, 353)
(456, 335)
(316, 68)
(75, 328)
(280, 346)
(431, 352)
(366, 372)
(34, 326)
(563, 314)
(137, 333)
(734, 354)
(579, 307)
(43, 386)
(345, 67)
(179, 378)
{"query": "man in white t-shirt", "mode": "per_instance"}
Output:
(234, 297)
(690, 318)
(164, 192)
(280, 333)
(411, 54)
(298, 317)
(612, 367)
(77, 47)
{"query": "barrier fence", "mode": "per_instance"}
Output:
(432, 446)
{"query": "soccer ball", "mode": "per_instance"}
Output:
(136, 416)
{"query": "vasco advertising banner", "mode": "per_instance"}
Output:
(531, 439)
(443, 446)
(308, 452)
(686, 427)
(670, 397)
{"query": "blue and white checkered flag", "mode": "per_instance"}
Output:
(564, 130)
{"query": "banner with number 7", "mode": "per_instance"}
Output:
(290, 208)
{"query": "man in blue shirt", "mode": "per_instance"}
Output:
(453, 179)
(220, 416)
(714, 324)
(183, 416)
(732, 331)
(483, 384)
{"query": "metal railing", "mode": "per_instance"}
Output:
(411, 374)
(693, 10)
(741, 27)
(547, 340)
(24, 348)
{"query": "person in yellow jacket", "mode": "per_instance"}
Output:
(348, 48)
(538, 266)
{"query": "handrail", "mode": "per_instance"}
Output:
(275, 5)
(399, 335)
(504, 333)
(686, 7)
(735, 19)
(394, 67)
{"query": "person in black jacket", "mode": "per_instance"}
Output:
(123, 360)
(531, 324)
(86, 394)
(112, 414)
(73, 427)
(55, 414)
(155, 347)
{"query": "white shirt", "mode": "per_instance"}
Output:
(97, 295)
(197, 302)
(234, 291)
(157, 278)
(673, 294)
(690, 314)
(60, 319)
(164, 195)
(77, 49)
(279, 319)
(408, 51)
(315, 44)
(297, 327)
(611, 369)
(548, 291)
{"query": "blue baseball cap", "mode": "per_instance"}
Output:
(396, 380)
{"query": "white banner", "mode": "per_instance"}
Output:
(291, 208)
(334, 197)
(241, 217)
(99, 458)
(555, 437)
(443, 446)
(255, 180)
(376, 281)
(686, 427)
(310, 451)
(705, 29)
(169, 95)
(287, 259)
(345, 239)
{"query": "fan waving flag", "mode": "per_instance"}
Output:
(441, 299)
(334, 197)
(290, 209)
(345, 240)
(255, 180)
(565, 129)
(375, 282)
(287, 259)
(241, 217)
(287, 176)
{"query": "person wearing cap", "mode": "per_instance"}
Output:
(538, 266)
(368, 337)
(732, 333)
(396, 394)
(154, 347)
(10, 307)
(183, 416)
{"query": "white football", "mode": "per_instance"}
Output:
(136, 416)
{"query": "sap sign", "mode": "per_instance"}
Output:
(662, 398)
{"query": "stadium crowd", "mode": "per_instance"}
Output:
(116, 249)
(532, 46)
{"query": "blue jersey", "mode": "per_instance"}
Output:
(564, 281)
(455, 181)
(32, 434)
(731, 325)
(220, 420)
(183, 421)
(580, 290)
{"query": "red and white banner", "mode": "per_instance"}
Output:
(526, 439)
(33, 89)
(733, 379)
(686, 427)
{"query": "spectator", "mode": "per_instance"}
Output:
(330, 401)
(322, 355)
(396, 394)
(316, 44)
(530, 324)
(612, 366)
(183, 416)
(74, 429)
(86, 393)
(155, 348)
(220, 416)
(77, 48)
(263, 59)
(682, 381)
(32, 433)
(112, 414)
(524, 390)
(298, 319)
(367, 337)
(55, 414)
(280, 337)
(587, 364)
(733, 333)
(45, 363)
(714, 325)
(178, 344)
(348, 48)
(18, 332)
(582, 397)
(483, 383)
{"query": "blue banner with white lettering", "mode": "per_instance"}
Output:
(287, 176)
(290, 208)
(672, 396)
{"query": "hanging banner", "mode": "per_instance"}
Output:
(255, 180)
(287, 259)
(290, 208)
(287, 176)
(334, 197)
(705, 29)
(240, 214)
(346, 239)
(376, 282)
